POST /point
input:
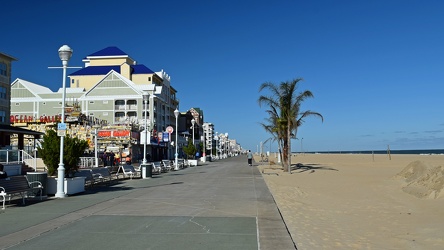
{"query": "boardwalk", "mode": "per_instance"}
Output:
(219, 205)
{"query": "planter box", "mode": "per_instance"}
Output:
(72, 185)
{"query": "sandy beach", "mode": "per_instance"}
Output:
(360, 201)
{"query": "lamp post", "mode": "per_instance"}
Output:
(96, 159)
(192, 123)
(176, 114)
(65, 53)
(216, 142)
(145, 100)
(226, 136)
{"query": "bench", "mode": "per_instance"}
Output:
(128, 171)
(90, 177)
(18, 185)
(102, 174)
(157, 168)
(166, 165)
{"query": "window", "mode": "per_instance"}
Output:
(44, 103)
(17, 104)
(2, 116)
(72, 81)
(2, 93)
(3, 69)
(91, 114)
(149, 78)
(91, 102)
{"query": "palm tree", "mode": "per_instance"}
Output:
(272, 127)
(284, 98)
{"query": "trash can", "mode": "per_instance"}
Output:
(147, 171)
(39, 176)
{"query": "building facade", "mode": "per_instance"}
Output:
(109, 91)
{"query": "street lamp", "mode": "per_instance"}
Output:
(65, 53)
(226, 135)
(96, 159)
(192, 123)
(216, 138)
(176, 114)
(145, 100)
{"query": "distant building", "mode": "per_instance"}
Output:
(5, 107)
(108, 90)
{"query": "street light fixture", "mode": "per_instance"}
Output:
(216, 138)
(145, 95)
(192, 123)
(65, 53)
(226, 142)
(176, 114)
(96, 159)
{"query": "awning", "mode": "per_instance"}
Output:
(15, 130)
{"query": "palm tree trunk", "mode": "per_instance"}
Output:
(289, 146)
(285, 155)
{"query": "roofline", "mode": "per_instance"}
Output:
(10, 57)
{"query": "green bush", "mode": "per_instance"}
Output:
(73, 149)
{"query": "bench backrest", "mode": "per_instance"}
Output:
(113, 169)
(15, 184)
(128, 168)
(85, 173)
(104, 172)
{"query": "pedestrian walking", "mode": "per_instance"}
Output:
(250, 157)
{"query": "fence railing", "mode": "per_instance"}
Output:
(21, 156)
(17, 157)
(87, 162)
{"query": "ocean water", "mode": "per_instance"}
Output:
(409, 151)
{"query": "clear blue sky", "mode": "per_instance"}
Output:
(376, 68)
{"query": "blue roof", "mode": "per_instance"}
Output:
(103, 70)
(141, 69)
(109, 51)
(96, 70)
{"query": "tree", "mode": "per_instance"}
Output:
(73, 149)
(272, 127)
(286, 104)
(190, 149)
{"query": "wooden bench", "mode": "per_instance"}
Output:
(157, 168)
(166, 165)
(90, 177)
(102, 174)
(128, 171)
(18, 185)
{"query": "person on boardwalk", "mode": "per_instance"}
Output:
(250, 157)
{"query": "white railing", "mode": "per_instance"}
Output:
(87, 162)
(17, 157)
(21, 156)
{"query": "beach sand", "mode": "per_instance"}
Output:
(361, 201)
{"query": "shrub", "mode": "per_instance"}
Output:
(73, 149)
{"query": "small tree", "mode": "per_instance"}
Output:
(190, 149)
(73, 149)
